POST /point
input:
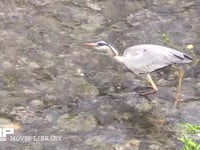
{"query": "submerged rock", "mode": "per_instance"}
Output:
(133, 144)
(77, 122)
(98, 142)
(83, 87)
(51, 84)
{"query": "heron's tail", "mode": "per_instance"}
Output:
(183, 58)
(188, 57)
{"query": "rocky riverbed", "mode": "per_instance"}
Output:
(53, 86)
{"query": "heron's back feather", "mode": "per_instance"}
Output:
(148, 58)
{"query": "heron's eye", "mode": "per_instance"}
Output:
(101, 44)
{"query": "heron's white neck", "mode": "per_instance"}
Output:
(119, 58)
(114, 53)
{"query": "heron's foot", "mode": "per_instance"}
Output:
(148, 93)
(178, 99)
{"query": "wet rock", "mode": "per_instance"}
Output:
(30, 91)
(144, 106)
(190, 108)
(23, 114)
(37, 104)
(98, 142)
(8, 123)
(34, 65)
(126, 116)
(80, 72)
(154, 147)
(7, 65)
(198, 86)
(77, 122)
(84, 87)
(93, 6)
(162, 82)
(128, 145)
(45, 66)
(50, 100)
(35, 146)
(5, 121)
(94, 22)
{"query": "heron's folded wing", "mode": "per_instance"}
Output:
(147, 58)
(145, 61)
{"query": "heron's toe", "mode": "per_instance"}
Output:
(148, 93)
(178, 99)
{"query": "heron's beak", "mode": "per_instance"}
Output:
(90, 44)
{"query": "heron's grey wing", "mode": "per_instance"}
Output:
(144, 62)
(147, 58)
(179, 57)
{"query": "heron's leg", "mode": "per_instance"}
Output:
(180, 79)
(153, 85)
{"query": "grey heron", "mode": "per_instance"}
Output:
(144, 59)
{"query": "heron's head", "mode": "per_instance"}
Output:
(103, 47)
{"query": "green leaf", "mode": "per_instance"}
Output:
(188, 132)
(191, 143)
(181, 139)
(165, 39)
(187, 147)
(198, 147)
